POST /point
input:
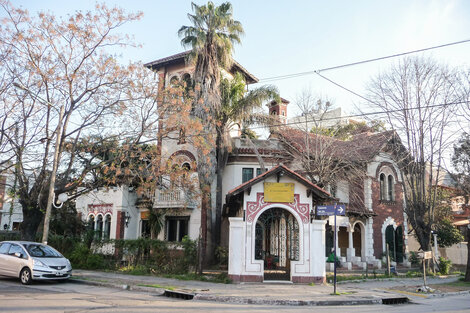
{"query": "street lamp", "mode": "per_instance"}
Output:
(50, 197)
(127, 218)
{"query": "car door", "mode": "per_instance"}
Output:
(4, 247)
(14, 263)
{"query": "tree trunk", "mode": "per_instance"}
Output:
(203, 238)
(467, 274)
(32, 218)
(222, 155)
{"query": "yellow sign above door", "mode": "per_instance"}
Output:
(279, 192)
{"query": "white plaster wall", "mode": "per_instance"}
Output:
(310, 263)
(12, 212)
(122, 200)
(233, 175)
(368, 193)
(194, 224)
(317, 243)
(236, 242)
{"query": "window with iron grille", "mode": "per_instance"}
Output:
(247, 174)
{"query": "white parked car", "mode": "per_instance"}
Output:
(32, 261)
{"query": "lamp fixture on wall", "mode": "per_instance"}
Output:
(127, 218)
(312, 214)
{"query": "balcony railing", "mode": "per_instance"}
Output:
(173, 198)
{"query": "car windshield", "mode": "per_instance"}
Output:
(41, 251)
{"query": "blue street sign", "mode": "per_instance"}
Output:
(330, 209)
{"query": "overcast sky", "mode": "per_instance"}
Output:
(286, 37)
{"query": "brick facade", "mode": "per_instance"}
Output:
(385, 209)
(120, 225)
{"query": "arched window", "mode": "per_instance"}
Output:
(382, 187)
(186, 166)
(99, 227)
(390, 195)
(174, 81)
(91, 222)
(187, 83)
(107, 226)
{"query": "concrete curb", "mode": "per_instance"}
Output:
(234, 299)
(158, 291)
(448, 294)
(242, 300)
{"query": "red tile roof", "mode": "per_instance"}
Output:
(321, 193)
(362, 147)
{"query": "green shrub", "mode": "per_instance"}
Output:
(95, 262)
(79, 256)
(444, 266)
(190, 252)
(331, 258)
(413, 258)
(221, 254)
(9, 235)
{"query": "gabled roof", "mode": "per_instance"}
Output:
(319, 192)
(179, 57)
(361, 147)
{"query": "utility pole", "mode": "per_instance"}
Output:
(55, 162)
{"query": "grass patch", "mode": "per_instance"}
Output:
(341, 277)
(158, 286)
(135, 270)
(459, 283)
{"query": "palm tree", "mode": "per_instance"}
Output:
(211, 38)
(237, 106)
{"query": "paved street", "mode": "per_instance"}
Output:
(72, 297)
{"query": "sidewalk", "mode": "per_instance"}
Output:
(274, 293)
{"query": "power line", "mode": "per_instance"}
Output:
(342, 87)
(287, 76)
(347, 116)
(368, 114)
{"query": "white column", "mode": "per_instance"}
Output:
(317, 248)
(350, 251)
(236, 246)
(338, 250)
(369, 235)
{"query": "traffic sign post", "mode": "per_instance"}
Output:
(332, 210)
(329, 210)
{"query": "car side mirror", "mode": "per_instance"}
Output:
(18, 254)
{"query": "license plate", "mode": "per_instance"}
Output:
(58, 274)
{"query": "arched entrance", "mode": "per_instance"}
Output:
(277, 242)
(394, 239)
(357, 240)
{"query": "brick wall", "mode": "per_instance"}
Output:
(384, 209)
(120, 225)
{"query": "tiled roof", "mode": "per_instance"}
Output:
(280, 168)
(250, 78)
(362, 147)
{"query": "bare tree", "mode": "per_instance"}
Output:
(49, 63)
(314, 149)
(419, 99)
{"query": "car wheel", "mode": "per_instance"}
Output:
(25, 276)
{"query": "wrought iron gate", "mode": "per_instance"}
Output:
(277, 243)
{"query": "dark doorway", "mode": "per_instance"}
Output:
(394, 239)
